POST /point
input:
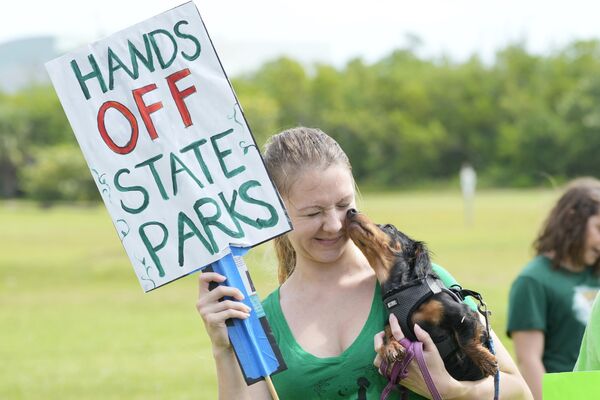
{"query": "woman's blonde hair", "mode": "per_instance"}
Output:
(286, 155)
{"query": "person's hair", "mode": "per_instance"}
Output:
(563, 234)
(287, 155)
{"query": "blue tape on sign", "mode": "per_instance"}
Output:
(252, 339)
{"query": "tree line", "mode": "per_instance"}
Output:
(405, 120)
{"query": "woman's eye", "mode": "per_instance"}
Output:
(343, 205)
(313, 214)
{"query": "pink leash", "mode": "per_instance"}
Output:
(399, 370)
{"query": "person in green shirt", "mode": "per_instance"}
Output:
(551, 299)
(328, 310)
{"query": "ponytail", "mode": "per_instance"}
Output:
(286, 258)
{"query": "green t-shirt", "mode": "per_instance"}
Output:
(589, 354)
(351, 375)
(557, 302)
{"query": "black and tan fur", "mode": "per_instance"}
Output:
(398, 259)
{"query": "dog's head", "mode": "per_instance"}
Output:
(395, 257)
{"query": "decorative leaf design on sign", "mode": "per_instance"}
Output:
(122, 228)
(246, 147)
(105, 188)
(234, 116)
(147, 278)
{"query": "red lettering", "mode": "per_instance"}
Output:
(132, 122)
(178, 95)
(146, 110)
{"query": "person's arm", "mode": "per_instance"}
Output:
(529, 348)
(512, 385)
(214, 313)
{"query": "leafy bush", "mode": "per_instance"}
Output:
(58, 173)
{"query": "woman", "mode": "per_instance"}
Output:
(328, 309)
(551, 299)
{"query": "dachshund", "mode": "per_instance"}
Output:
(414, 293)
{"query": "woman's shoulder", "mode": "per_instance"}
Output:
(271, 302)
(540, 269)
(539, 264)
(444, 275)
(449, 280)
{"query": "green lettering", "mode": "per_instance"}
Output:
(94, 74)
(182, 35)
(195, 148)
(222, 154)
(214, 221)
(258, 222)
(230, 208)
(183, 221)
(156, 48)
(174, 171)
(153, 250)
(112, 67)
(136, 55)
(150, 163)
(140, 189)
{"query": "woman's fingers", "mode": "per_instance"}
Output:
(424, 337)
(206, 296)
(395, 327)
(226, 305)
(213, 311)
(219, 318)
(378, 340)
(204, 280)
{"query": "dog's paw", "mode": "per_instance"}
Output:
(392, 351)
(489, 365)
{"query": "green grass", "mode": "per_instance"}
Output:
(74, 322)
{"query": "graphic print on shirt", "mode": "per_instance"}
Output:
(360, 390)
(322, 385)
(363, 384)
(353, 386)
(583, 298)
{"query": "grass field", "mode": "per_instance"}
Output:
(75, 324)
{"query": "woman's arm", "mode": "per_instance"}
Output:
(529, 348)
(512, 385)
(214, 313)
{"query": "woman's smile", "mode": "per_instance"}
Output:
(329, 241)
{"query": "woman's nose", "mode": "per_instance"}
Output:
(333, 222)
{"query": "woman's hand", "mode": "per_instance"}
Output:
(214, 313)
(447, 386)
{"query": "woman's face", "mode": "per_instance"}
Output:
(317, 205)
(591, 249)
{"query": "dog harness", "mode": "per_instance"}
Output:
(400, 301)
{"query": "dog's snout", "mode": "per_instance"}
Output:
(351, 212)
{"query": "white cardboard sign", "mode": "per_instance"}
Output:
(168, 146)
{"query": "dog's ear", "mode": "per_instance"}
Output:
(421, 257)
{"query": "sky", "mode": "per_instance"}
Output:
(246, 33)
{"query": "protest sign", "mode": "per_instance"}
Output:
(168, 146)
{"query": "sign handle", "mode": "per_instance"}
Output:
(271, 388)
(252, 340)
